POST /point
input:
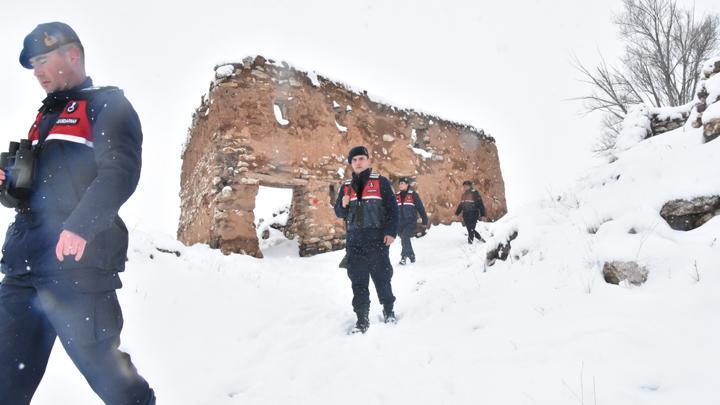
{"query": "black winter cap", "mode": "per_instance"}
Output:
(357, 151)
(404, 180)
(45, 38)
(467, 183)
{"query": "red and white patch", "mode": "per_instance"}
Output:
(73, 125)
(409, 199)
(370, 192)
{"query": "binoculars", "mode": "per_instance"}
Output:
(18, 163)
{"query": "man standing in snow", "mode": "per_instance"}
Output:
(410, 206)
(62, 254)
(472, 208)
(368, 205)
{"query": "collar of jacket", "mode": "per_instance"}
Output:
(62, 96)
(359, 181)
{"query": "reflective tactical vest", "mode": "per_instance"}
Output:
(366, 212)
(407, 206)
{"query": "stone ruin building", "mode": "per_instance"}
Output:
(265, 123)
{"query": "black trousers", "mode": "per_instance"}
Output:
(406, 232)
(370, 262)
(470, 219)
(34, 311)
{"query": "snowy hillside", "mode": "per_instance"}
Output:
(540, 328)
(614, 213)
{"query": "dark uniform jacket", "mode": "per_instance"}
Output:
(471, 204)
(410, 206)
(88, 155)
(373, 211)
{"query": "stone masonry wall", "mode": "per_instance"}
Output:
(708, 99)
(266, 123)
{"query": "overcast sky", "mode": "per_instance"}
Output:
(504, 67)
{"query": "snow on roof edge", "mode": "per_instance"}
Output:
(317, 80)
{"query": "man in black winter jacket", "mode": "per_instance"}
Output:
(367, 204)
(410, 206)
(472, 208)
(62, 255)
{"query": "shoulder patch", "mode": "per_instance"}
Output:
(71, 107)
(95, 89)
(91, 92)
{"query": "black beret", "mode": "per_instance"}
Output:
(45, 38)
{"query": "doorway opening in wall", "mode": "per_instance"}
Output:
(272, 211)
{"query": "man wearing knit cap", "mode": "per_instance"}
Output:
(368, 205)
(410, 206)
(63, 252)
(472, 209)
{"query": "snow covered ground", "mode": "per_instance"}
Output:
(211, 329)
(541, 328)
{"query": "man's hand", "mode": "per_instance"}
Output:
(2, 177)
(388, 240)
(70, 244)
(345, 201)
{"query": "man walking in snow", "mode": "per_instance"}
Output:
(368, 205)
(472, 208)
(410, 206)
(62, 254)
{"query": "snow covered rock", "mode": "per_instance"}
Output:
(685, 215)
(635, 127)
(664, 119)
(500, 251)
(617, 272)
(711, 129)
(706, 111)
(224, 71)
(642, 122)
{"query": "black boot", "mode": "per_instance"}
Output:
(389, 314)
(403, 261)
(412, 259)
(479, 238)
(362, 324)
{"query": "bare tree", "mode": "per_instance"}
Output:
(664, 48)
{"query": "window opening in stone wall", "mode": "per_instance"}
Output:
(280, 114)
(272, 211)
(420, 140)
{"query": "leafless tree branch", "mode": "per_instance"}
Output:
(665, 46)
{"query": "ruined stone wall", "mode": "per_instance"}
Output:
(265, 123)
(708, 99)
(664, 122)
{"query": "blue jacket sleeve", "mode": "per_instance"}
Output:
(458, 211)
(117, 145)
(392, 212)
(421, 209)
(340, 212)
